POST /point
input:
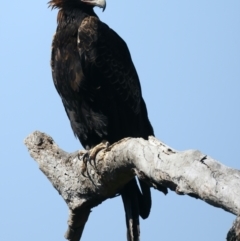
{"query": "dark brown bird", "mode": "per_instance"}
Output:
(95, 77)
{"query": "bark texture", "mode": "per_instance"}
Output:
(187, 173)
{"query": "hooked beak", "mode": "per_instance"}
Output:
(100, 3)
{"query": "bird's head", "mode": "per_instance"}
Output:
(77, 3)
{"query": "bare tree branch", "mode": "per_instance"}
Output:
(188, 172)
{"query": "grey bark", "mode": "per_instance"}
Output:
(187, 173)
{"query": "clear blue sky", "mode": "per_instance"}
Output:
(187, 54)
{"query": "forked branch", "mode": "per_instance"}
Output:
(187, 173)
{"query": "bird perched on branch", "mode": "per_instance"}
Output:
(95, 77)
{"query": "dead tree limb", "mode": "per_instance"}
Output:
(187, 173)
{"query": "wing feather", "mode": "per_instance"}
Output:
(108, 60)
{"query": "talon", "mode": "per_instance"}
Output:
(84, 159)
(94, 151)
(90, 156)
(92, 160)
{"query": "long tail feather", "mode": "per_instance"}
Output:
(135, 203)
(130, 201)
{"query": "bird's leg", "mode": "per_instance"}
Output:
(91, 154)
(94, 151)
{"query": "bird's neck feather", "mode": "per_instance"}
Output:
(70, 15)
